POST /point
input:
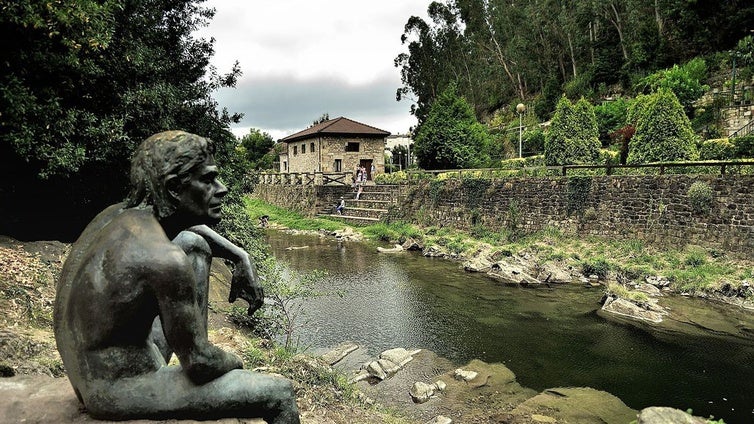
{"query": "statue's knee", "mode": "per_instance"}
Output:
(192, 243)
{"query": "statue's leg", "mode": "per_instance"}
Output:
(168, 393)
(200, 256)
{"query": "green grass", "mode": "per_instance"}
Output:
(394, 231)
(293, 220)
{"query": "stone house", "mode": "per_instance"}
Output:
(337, 145)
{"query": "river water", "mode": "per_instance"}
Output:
(547, 337)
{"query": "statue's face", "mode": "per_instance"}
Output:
(201, 198)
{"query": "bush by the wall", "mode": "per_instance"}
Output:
(700, 197)
(573, 136)
(391, 178)
(717, 149)
(744, 146)
(663, 131)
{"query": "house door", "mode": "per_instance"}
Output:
(367, 164)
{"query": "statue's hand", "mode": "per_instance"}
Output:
(246, 285)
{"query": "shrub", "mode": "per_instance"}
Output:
(663, 131)
(391, 178)
(597, 266)
(717, 149)
(744, 146)
(573, 136)
(611, 116)
(700, 197)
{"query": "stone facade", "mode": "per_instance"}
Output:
(333, 146)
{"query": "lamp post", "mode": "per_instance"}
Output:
(520, 108)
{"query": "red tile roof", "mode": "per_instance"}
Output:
(338, 126)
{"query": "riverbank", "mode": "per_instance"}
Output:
(689, 270)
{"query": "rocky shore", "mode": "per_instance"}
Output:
(419, 385)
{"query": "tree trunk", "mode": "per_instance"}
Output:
(619, 27)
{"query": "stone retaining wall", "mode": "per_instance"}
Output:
(651, 208)
(304, 199)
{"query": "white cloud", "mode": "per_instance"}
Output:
(303, 58)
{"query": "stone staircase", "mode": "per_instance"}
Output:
(736, 119)
(372, 206)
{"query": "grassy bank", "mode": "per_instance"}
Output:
(690, 269)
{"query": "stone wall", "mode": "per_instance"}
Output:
(652, 208)
(307, 200)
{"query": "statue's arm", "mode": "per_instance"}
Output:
(245, 283)
(173, 281)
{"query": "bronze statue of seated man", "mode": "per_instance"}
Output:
(134, 289)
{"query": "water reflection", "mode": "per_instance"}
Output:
(549, 338)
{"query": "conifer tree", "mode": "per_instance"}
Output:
(663, 131)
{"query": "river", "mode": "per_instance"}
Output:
(547, 337)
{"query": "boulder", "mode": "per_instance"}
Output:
(574, 405)
(421, 392)
(465, 375)
(411, 244)
(648, 311)
(336, 355)
(511, 274)
(397, 248)
(399, 355)
(435, 252)
(477, 264)
(665, 415)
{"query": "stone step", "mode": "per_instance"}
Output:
(369, 204)
(354, 220)
(365, 212)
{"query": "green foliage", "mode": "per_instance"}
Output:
(392, 232)
(391, 178)
(578, 192)
(598, 266)
(684, 81)
(257, 208)
(475, 190)
(534, 141)
(451, 137)
(663, 131)
(573, 136)
(744, 146)
(700, 197)
(717, 149)
(257, 149)
(611, 117)
(82, 84)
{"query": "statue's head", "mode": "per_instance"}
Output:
(164, 160)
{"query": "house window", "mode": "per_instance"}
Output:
(285, 165)
(295, 150)
(311, 147)
(352, 147)
(303, 149)
(338, 165)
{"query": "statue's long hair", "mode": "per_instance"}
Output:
(160, 157)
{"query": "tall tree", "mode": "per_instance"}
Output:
(83, 82)
(451, 137)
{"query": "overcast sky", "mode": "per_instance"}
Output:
(303, 58)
